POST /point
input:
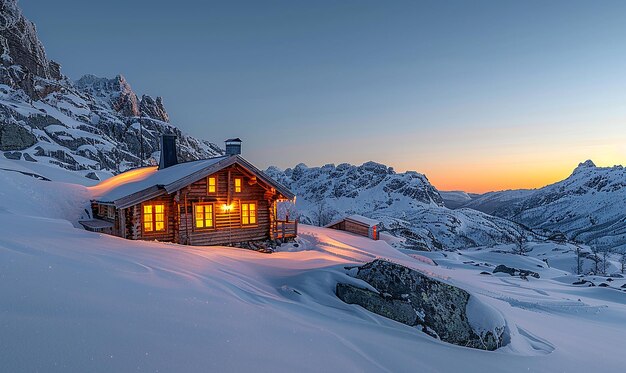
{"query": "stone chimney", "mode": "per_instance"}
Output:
(168, 151)
(233, 146)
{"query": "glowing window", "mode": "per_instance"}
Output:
(237, 185)
(204, 216)
(248, 213)
(212, 184)
(154, 217)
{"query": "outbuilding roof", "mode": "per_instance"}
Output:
(141, 184)
(358, 219)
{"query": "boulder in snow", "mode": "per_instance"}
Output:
(515, 272)
(412, 298)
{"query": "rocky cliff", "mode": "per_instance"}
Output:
(93, 123)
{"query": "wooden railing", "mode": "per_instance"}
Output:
(285, 229)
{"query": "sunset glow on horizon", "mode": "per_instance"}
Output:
(478, 96)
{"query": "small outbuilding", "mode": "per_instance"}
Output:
(357, 224)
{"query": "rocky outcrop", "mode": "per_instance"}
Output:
(412, 298)
(13, 155)
(116, 93)
(523, 273)
(15, 137)
(93, 123)
(22, 56)
(148, 107)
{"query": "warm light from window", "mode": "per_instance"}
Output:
(154, 217)
(204, 216)
(237, 185)
(212, 184)
(248, 213)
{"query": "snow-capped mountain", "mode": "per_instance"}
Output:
(406, 203)
(93, 123)
(589, 206)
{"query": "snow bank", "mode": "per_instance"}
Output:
(78, 301)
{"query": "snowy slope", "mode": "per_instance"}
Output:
(494, 201)
(407, 204)
(72, 300)
(91, 124)
(455, 199)
(589, 206)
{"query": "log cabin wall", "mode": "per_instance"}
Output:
(352, 227)
(134, 221)
(228, 226)
(360, 229)
(106, 213)
(180, 225)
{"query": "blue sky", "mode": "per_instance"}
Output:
(478, 95)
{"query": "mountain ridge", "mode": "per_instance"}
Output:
(91, 124)
(408, 206)
(587, 206)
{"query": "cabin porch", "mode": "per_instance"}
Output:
(283, 229)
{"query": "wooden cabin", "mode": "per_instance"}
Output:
(218, 201)
(357, 224)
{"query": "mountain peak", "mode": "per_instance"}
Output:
(93, 123)
(586, 164)
(23, 61)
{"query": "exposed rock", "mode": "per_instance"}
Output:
(414, 299)
(23, 61)
(153, 109)
(117, 92)
(604, 285)
(13, 155)
(29, 158)
(515, 272)
(92, 175)
(15, 137)
(586, 164)
(563, 207)
(407, 204)
(94, 118)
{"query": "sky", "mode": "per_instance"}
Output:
(477, 95)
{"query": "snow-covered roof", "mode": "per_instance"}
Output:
(359, 219)
(138, 185)
(96, 224)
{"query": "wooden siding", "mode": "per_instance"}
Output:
(352, 227)
(227, 227)
(227, 224)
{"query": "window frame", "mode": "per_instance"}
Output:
(240, 184)
(208, 185)
(110, 212)
(154, 221)
(195, 227)
(256, 214)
